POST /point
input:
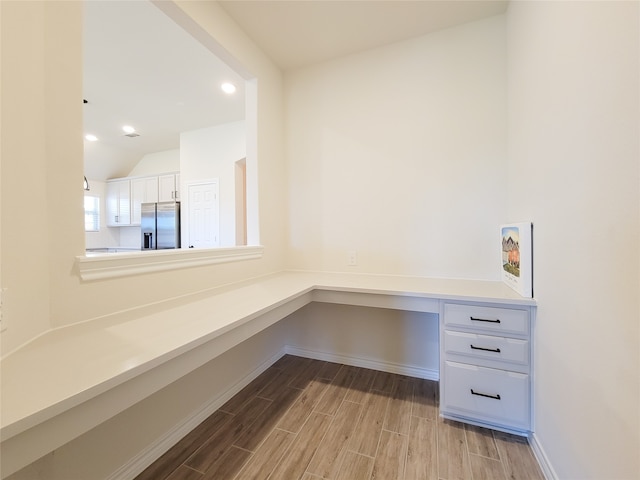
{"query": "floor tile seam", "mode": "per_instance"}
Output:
(333, 419)
(430, 420)
(466, 444)
(315, 450)
(438, 449)
(389, 408)
(356, 425)
(268, 434)
(287, 451)
(279, 370)
(342, 400)
(505, 463)
(282, 455)
(189, 467)
(485, 456)
(393, 431)
(246, 425)
(360, 453)
(233, 445)
(502, 465)
(233, 439)
(380, 392)
(284, 414)
(346, 443)
(302, 371)
(318, 377)
(274, 399)
(225, 424)
(415, 403)
(466, 431)
(171, 472)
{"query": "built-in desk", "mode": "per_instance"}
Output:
(71, 379)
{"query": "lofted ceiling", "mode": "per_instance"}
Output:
(298, 33)
(142, 69)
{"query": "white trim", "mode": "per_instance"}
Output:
(372, 363)
(136, 465)
(542, 458)
(99, 266)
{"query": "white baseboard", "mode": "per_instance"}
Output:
(374, 364)
(137, 464)
(538, 452)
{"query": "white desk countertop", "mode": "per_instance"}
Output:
(68, 366)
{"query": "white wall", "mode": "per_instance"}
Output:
(42, 197)
(42, 154)
(118, 442)
(156, 163)
(388, 340)
(106, 236)
(207, 154)
(399, 153)
(574, 170)
(42, 166)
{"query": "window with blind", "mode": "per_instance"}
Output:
(91, 213)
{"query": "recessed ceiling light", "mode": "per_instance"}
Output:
(228, 88)
(90, 137)
(128, 129)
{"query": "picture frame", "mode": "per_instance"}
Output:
(516, 240)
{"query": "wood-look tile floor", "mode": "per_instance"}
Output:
(309, 420)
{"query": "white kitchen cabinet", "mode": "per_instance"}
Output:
(143, 190)
(118, 203)
(485, 370)
(169, 187)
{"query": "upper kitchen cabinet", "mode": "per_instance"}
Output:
(169, 187)
(143, 190)
(118, 203)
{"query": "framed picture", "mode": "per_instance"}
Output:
(517, 257)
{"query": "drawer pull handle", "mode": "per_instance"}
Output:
(497, 320)
(495, 350)
(495, 397)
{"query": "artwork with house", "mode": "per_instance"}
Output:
(517, 259)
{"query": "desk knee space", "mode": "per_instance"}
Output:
(99, 368)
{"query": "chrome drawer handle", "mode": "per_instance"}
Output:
(497, 320)
(495, 397)
(495, 350)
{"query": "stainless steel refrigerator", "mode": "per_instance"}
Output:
(160, 225)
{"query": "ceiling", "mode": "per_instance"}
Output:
(141, 69)
(303, 32)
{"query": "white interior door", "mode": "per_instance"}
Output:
(204, 216)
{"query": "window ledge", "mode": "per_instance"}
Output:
(99, 266)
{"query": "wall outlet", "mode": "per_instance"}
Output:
(352, 258)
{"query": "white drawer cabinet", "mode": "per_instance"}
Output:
(488, 394)
(487, 350)
(485, 369)
(490, 319)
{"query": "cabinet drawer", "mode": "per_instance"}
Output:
(487, 394)
(503, 320)
(474, 345)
